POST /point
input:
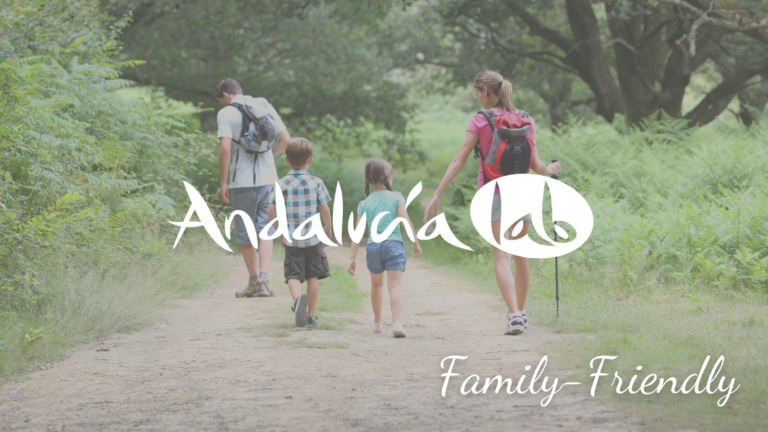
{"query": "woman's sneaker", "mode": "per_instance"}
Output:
(398, 330)
(312, 321)
(300, 310)
(515, 323)
(525, 319)
(376, 327)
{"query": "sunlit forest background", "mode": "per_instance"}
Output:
(656, 110)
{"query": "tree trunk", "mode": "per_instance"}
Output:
(592, 65)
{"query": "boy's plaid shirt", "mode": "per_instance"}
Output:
(302, 194)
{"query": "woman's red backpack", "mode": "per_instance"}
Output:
(512, 145)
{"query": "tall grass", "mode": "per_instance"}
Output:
(84, 302)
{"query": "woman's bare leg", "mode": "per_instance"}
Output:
(522, 279)
(503, 265)
(522, 267)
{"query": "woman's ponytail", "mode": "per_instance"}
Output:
(505, 96)
(498, 87)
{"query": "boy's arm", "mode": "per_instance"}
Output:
(401, 212)
(325, 213)
(353, 251)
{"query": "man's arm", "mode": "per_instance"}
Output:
(225, 153)
(282, 140)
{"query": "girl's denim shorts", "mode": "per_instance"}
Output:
(387, 255)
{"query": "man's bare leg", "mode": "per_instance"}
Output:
(249, 255)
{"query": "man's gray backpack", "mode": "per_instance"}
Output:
(258, 133)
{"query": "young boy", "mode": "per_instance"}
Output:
(304, 259)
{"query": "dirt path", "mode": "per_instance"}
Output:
(206, 365)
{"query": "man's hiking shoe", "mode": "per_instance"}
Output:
(376, 327)
(515, 323)
(312, 321)
(525, 319)
(262, 289)
(300, 310)
(249, 291)
(398, 330)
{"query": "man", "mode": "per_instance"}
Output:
(250, 181)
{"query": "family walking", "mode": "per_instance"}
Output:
(251, 134)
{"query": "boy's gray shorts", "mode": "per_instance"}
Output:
(255, 202)
(496, 210)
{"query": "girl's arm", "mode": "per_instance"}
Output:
(353, 251)
(404, 214)
(454, 168)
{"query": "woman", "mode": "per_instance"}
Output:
(493, 92)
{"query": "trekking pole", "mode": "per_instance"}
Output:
(557, 275)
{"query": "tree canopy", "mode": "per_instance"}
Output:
(630, 57)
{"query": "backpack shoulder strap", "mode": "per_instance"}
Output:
(523, 114)
(491, 117)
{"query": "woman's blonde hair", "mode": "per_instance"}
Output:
(498, 87)
(377, 171)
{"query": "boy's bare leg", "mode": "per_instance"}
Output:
(503, 264)
(394, 280)
(249, 255)
(313, 291)
(294, 286)
(377, 295)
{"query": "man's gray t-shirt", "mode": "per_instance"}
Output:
(243, 165)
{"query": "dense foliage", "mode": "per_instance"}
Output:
(84, 171)
(322, 64)
(669, 203)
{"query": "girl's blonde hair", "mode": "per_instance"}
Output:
(498, 87)
(377, 171)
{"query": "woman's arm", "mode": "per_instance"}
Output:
(537, 165)
(454, 168)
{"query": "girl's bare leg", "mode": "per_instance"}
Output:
(377, 295)
(394, 280)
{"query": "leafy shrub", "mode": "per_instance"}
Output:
(669, 202)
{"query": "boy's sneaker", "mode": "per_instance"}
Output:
(300, 310)
(515, 323)
(525, 319)
(376, 327)
(312, 321)
(249, 291)
(398, 330)
(262, 289)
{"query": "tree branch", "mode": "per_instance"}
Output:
(537, 28)
(716, 101)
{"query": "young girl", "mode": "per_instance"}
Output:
(389, 254)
